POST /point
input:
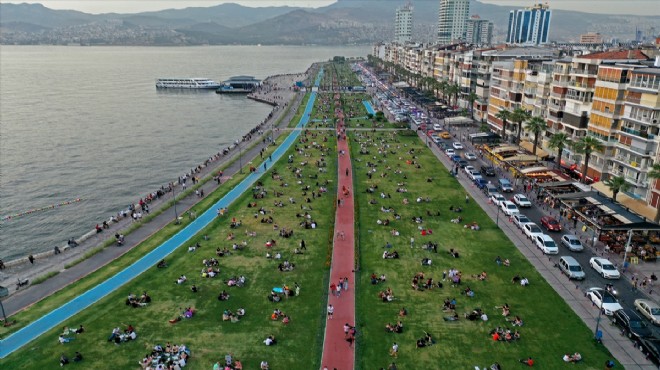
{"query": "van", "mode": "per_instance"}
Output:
(570, 266)
(490, 189)
(505, 185)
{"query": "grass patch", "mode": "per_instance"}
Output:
(462, 344)
(44, 277)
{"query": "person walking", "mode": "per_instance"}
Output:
(333, 289)
(394, 352)
(331, 311)
(346, 171)
(345, 284)
(31, 259)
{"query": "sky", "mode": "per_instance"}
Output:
(639, 7)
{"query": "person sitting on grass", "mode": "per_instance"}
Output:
(453, 317)
(64, 360)
(223, 296)
(77, 357)
(270, 340)
(182, 279)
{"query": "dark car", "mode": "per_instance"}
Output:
(631, 324)
(462, 163)
(487, 170)
(650, 347)
(456, 158)
(480, 183)
(550, 223)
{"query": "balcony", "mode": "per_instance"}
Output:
(556, 107)
(579, 122)
(644, 135)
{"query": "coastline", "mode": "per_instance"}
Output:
(49, 263)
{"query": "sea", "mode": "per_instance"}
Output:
(84, 132)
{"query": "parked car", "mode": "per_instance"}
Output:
(604, 267)
(505, 185)
(550, 223)
(457, 145)
(480, 182)
(469, 169)
(497, 199)
(455, 158)
(490, 189)
(650, 347)
(604, 300)
(509, 208)
(450, 152)
(631, 324)
(487, 170)
(532, 230)
(571, 267)
(521, 201)
(648, 309)
(572, 243)
(546, 244)
(520, 219)
(474, 176)
(462, 163)
(470, 156)
(437, 127)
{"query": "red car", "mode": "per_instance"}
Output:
(550, 223)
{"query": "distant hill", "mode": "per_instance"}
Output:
(343, 22)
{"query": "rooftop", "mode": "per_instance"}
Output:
(617, 55)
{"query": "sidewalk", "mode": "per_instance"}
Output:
(619, 346)
(25, 297)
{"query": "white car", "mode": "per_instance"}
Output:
(469, 169)
(649, 309)
(457, 145)
(604, 267)
(474, 175)
(470, 156)
(520, 219)
(604, 300)
(497, 199)
(546, 244)
(521, 201)
(450, 152)
(509, 208)
(437, 127)
(532, 230)
(572, 243)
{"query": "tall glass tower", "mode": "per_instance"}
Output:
(529, 26)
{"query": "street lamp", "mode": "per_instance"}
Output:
(497, 219)
(3, 293)
(176, 215)
(625, 253)
(597, 334)
(240, 159)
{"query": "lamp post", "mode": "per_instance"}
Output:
(3, 293)
(598, 336)
(176, 215)
(625, 253)
(497, 219)
(240, 158)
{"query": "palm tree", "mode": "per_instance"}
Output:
(519, 116)
(504, 115)
(536, 126)
(616, 185)
(559, 141)
(654, 173)
(472, 97)
(454, 89)
(587, 145)
(444, 86)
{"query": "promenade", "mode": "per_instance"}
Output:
(48, 262)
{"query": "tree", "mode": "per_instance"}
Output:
(616, 185)
(536, 126)
(504, 115)
(444, 86)
(453, 89)
(519, 116)
(559, 141)
(655, 174)
(587, 145)
(472, 97)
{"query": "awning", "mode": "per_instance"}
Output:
(521, 158)
(534, 169)
(530, 146)
(622, 219)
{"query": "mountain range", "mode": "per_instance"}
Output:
(343, 22)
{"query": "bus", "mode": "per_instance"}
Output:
(484, 138)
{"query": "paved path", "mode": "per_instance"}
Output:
(336, 351)
(31, 331)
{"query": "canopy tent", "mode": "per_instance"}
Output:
(539, 152)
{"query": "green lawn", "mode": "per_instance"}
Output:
(550, 327)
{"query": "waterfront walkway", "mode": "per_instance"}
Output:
(55, 317)
(338, 353)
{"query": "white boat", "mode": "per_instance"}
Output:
(187, 83)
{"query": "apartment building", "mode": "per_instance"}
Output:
(479, 31)
(403, 24)
(638, 138)
(452, 20)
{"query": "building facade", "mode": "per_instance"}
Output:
(452, 20)
(479, 31)
(529, 26)
(403, 24)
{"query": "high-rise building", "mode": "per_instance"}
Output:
(403, 24)
(529, 26)
(479, 31)
(452, 20)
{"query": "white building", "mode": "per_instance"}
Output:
(479, 31)
(403, 23)
(452, 20)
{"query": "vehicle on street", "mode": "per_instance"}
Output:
(546, 244)
(450, 152)
(505, 185)
(550, 223)
(509, 208)
(604, 300)
(474, 175)
(457, 145)
(469, 169)
(487, 170)
(650, 347)
(480, 182)
(462, 163)
(445, 135)
(455, 158)
(470, 156)
(648, 309)
(520, 219)
(572, 242)
(437, 127)
(571, 267)
(490, 189)
(521, 201)
(604, 267)
(632, 325)
(497, 199)
(532, 230)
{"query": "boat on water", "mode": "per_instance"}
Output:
(239, 85)
(187, 83)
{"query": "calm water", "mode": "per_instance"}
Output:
(87, 122)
